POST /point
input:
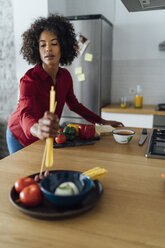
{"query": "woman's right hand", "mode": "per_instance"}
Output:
(46, 127)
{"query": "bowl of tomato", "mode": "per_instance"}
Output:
(66, 188)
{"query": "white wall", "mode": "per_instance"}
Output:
(57, 6)
(8, 86)
(141, 32)
(136, 57)
(84, 7)
(25, 12)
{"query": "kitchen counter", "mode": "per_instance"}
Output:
(131, 212)
(130, 109)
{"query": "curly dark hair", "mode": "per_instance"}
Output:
(64, 31)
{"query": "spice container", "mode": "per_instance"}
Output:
(138, 97)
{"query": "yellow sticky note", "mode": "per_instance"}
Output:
(88, 57)
(78, 70)
(81, 77)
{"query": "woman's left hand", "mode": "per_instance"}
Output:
(112, 123)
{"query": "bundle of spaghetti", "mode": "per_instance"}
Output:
(48, 151)
(96, 173)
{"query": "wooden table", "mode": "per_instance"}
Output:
(131, 212)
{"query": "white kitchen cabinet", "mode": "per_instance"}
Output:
(130, 120)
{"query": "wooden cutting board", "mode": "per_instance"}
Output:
(103, 129)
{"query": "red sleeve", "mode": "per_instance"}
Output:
(78, 108)
(26, 104)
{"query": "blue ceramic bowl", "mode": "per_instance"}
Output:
(49, 184)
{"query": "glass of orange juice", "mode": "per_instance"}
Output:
(123, 102)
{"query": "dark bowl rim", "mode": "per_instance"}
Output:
(66, 196)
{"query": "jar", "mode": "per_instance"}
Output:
(138, 101)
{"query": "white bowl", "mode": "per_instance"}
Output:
(123, 136)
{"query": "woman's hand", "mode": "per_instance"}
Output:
(46, 127)
(112, 123)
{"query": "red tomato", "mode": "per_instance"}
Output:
(31, 195)
(60, 139)
(23, 182)
(60, 130)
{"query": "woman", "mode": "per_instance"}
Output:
(48, 43)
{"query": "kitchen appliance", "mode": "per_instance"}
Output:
(162, 46)
(143, 5)
(160, 107)
(159, 121)
(156, 144)
(91, 70)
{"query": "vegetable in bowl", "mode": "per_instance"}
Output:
(82, 182)
(67, 188)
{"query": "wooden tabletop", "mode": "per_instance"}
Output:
(147, 109)
(130, 214)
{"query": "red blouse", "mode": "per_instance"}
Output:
(35, 88)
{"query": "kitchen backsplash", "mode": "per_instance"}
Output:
(149, 73)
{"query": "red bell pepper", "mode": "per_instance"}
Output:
(86, 131)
